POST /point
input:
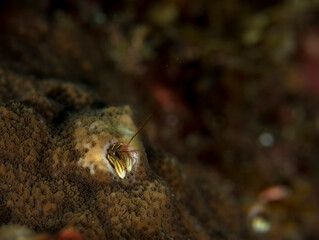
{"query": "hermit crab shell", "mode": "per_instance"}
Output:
(100, 141)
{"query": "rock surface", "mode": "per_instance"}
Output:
(54, 174)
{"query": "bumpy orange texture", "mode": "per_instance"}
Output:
(47, 127)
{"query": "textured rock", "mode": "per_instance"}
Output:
(54, 173)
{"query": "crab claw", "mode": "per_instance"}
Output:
(120, 169)
(129, 164)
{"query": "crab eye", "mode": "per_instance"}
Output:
(116, 154)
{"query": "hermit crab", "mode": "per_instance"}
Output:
(120, 157)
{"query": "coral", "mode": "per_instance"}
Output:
(54, 173)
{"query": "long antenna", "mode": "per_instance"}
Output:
(141, 127)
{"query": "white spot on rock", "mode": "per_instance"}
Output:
(266, 139)
(260, 224)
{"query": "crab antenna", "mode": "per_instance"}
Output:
(129, 151)
(141, 127)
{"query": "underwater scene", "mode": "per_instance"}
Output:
(168, 119)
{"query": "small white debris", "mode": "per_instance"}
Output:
(99, 18)
(260, 224)
(266, 139)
